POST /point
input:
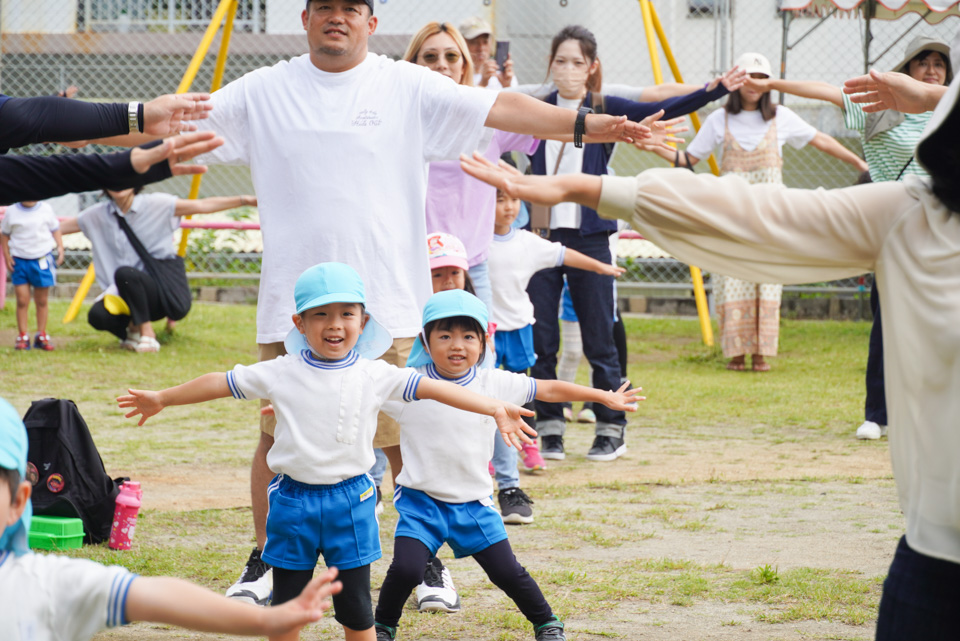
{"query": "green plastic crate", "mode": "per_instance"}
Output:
(55, 533)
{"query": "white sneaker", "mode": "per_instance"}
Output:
(870, 431)
(255, 585)
(437, 592)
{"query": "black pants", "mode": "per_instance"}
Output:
(498, 561)
(921, 598)
(875, 406)
(139, 291)
(353, 607)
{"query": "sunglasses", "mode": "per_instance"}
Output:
(452, 57)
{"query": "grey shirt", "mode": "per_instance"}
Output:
(151, 218)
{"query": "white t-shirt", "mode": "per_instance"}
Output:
(446, 450)
(493, 83)
(30, 230)
(564, 215)
(152, 219)
(51, 598)
(339, 165)
(326, 410)
(513, 259)
(749, 128)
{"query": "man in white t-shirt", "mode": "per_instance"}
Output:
(337, 141)
(479, 36)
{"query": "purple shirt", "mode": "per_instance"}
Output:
(463, 206)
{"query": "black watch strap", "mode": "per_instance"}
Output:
(580, 126)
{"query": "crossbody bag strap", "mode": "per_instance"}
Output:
(900, 175)
(132, 237)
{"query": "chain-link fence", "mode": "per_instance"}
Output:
(121, 50)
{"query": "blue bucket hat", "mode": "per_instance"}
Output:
(453, 302)
(13, 456)
(336, 283)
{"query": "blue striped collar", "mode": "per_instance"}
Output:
(4, 555)
(320, 363)
(466, 379)
(508, 236)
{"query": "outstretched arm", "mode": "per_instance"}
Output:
(573, 258)
(146, 403)
(813, 89)
(181, 603)
(828, 144)
(186, 207)
(582, 189)
(891, 90)
(508, 416)
(624, 399)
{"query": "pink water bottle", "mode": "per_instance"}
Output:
(125, 515)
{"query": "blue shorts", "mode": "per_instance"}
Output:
(338, 522)
(515, 349)
(33, 271)
(467, 528)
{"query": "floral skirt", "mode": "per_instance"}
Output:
(749, 316)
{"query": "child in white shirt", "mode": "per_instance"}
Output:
(326, 398)
(29, 232)
(46, 597)
(515, 256)
(443, 493)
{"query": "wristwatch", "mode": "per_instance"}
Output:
(580, 126)
(135, 117)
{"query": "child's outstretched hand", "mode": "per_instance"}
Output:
(145, 403)
(512, 427)
(624, 400)
(308, 607)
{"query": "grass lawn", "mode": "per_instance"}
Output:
(744, 508)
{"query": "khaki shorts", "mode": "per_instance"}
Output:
(388, 430)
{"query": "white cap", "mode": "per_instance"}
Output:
(754, 63)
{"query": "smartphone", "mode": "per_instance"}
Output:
(503, 50)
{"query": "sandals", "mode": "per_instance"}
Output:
(131, 341)
(736, 366)
(147, 344)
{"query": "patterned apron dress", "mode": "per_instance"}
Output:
(749, 313)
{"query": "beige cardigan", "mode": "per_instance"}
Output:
(768, 233)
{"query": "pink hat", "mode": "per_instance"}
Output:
(446, 250)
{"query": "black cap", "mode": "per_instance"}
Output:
(369, 3)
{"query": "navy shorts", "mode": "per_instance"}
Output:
(515, 349)
(33, 271)
(338, 522)
(467, 528)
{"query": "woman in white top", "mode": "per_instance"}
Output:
(908, 233)
(751, 131)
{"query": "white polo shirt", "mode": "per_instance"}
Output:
(326, 410)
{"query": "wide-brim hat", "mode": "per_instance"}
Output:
(448, 304)
(13, 456)
(937, 150)
(918, 44)
(754, 63)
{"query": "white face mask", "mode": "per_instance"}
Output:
(570, 80)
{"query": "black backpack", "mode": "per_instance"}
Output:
(66, 470)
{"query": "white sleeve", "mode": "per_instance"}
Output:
(51, 217)
(709, 137)
(228, 119)
(510, 387)
(452, 116)
(247, 382)
(166, 208)
(542, 253)
(394, 383)
(5, 227)
(393, 409)
(792, 129)
(86, 597)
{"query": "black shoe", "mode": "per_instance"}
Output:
(550, 631)
(385, 632)
(378, 508)
(606, 448)
(551, 447)
(515, 506)
(255, 585)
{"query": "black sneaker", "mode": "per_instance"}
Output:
(549, 631)
(437, 593)
(515, 506)
(606, 448)
(551, 447)
(385, 632)
(378, 509)
(255, 585)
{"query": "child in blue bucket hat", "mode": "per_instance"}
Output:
(54, 597)
(443, 492)
(326, 394)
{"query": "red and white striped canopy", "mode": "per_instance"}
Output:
(886, 9)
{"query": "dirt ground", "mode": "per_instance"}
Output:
(722, 497)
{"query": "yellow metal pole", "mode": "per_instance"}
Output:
(651, 24)
(214, 85)
(188, 78)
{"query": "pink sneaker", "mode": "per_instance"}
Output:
(490, 468)
(532, 460)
